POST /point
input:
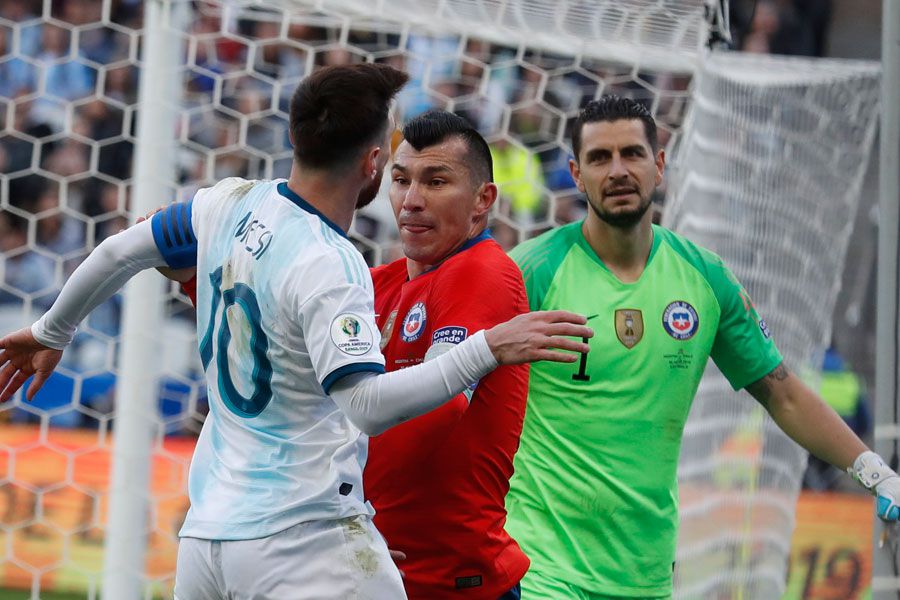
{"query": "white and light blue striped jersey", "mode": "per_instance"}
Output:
(284, 309)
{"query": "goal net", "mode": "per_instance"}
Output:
(766, 155)
(768, 174)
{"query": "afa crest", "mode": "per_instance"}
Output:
(629, 326)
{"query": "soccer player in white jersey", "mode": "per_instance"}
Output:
(288, 339)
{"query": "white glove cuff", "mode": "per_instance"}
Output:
(869, 470)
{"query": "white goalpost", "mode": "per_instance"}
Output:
(766, 158)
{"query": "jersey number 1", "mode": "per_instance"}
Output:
(581, 375)
(243, 296)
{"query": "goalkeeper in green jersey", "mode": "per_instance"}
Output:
(593, 501)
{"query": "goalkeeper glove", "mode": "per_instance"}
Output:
(870, 471)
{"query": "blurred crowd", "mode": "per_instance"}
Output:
(68, 94)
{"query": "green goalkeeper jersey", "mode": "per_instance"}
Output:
(594, 498)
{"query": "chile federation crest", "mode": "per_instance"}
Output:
(413, 323)
(680, 320)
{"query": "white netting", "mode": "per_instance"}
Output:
(519, 69)
(769, 175)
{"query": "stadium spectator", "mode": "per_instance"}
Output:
(793, 27)
(844, 391)
(17, 76)
(446, 512)
(275, 58)
(594, 499)
(285, 489)
(23, 11)
(55, 231)
(518, 174)
(25, 272)
(63, 79)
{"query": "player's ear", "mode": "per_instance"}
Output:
(575, 171)
(660, 165)
(487, 195)
(370, 164)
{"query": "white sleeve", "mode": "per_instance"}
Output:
(374, 403)
(342, 337)
(119, 258)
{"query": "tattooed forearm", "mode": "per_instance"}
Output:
(761, 389)
(779, 373)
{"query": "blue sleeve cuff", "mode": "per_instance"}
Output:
(174, 235)
(340, 372)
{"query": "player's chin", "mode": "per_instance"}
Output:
(622, 202)
(425, 254)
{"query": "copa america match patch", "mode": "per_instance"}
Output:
(413, 323)
(351, 334)
(680, 320)
(449, 335)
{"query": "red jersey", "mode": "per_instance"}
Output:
(438, 482)
(189, 289)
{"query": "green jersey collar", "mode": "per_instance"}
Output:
(582, 241)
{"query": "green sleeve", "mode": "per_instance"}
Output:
(743, 348)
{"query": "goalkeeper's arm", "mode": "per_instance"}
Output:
(810, 422)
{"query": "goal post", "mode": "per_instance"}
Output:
(136, 422)
(885, 582)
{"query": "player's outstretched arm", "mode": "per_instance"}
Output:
(375, 403)
(37, 350)
(810, 422)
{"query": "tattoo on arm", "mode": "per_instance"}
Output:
(761, 389)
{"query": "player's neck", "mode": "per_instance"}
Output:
(334, 197)
(624, 250)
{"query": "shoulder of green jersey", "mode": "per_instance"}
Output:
(707, 262)
(538, 252)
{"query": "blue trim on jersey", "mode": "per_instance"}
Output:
(174, 235)
(291, 195)
(340, 372)
(484, 235)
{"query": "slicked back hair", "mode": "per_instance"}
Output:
(435, 126)
(613, 108)
(338, 111)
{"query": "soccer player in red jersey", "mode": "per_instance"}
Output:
(438, 482)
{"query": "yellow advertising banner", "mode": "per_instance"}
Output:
(831, 552)
(53, 502)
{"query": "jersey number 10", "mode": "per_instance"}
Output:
(243, 296)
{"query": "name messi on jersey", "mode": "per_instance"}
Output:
(255, 236)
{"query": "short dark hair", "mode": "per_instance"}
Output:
(337, 111)
(613, 108)
(435, 126)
